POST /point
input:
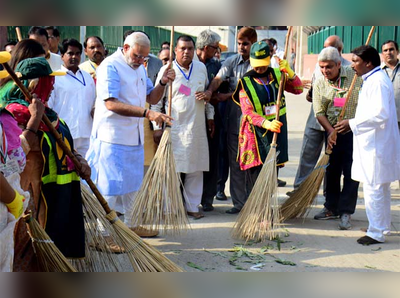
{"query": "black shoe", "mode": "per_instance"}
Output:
(220, 196)
(367, 241)
(208, 207)
(233, 210)
(281, 183)
(291, 193)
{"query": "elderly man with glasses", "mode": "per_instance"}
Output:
(116, 152)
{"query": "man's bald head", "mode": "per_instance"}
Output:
(334, 41)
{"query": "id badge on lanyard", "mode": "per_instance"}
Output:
(270, 110)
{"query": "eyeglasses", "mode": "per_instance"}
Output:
(140, 57)
(214, 47)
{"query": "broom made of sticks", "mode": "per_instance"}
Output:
(159, 201)
(299, 203)
(144, 257)
(103, 252)
(260, 216)
(50, 258)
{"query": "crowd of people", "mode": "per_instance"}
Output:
(111, 112)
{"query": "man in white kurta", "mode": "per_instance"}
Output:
(376, 154)
(188, 132)
(116, 146)
(74, 95)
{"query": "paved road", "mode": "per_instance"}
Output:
(309, 245)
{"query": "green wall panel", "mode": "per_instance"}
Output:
(356, 37)
(353, 36)
(346, 38)
(385, 33)
(374, 39)
(111, 35)
(332, 30)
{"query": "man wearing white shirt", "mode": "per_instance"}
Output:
(41, 36)
(376, 154)
(188, 132)
(74, 96)
(116, 153)
(391, 65)
(276, 52)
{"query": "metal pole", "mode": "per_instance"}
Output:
(82, 37)
(236, 31)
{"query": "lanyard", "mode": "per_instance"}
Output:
(338, 88)
(394, 72)
(378, 69)
(190, 71)
(266, 88)
(83, 78)
(91, 64)
(368, 77)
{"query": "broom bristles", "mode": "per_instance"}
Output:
(303, 197)
(143, 257)
(99, 235)
(50, 258)
(260, 216)
(159, 202)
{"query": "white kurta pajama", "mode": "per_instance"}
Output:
(188, 132)
(376, 154)
(116, 146)
(73, 99)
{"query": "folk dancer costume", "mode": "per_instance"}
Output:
(73, 99)
(376, 155)
(257, 100)
(49, 175)
(188, 131)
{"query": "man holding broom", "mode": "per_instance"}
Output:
(329, 96)
(188, 133)
(314, 133)
(376, 157)
(116, 152)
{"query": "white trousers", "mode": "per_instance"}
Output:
(123, 204)
(82, 145)
(193, 190)
(377, 206)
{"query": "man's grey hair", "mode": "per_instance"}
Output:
(138, 38)
(329, 54)
(207, 37)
